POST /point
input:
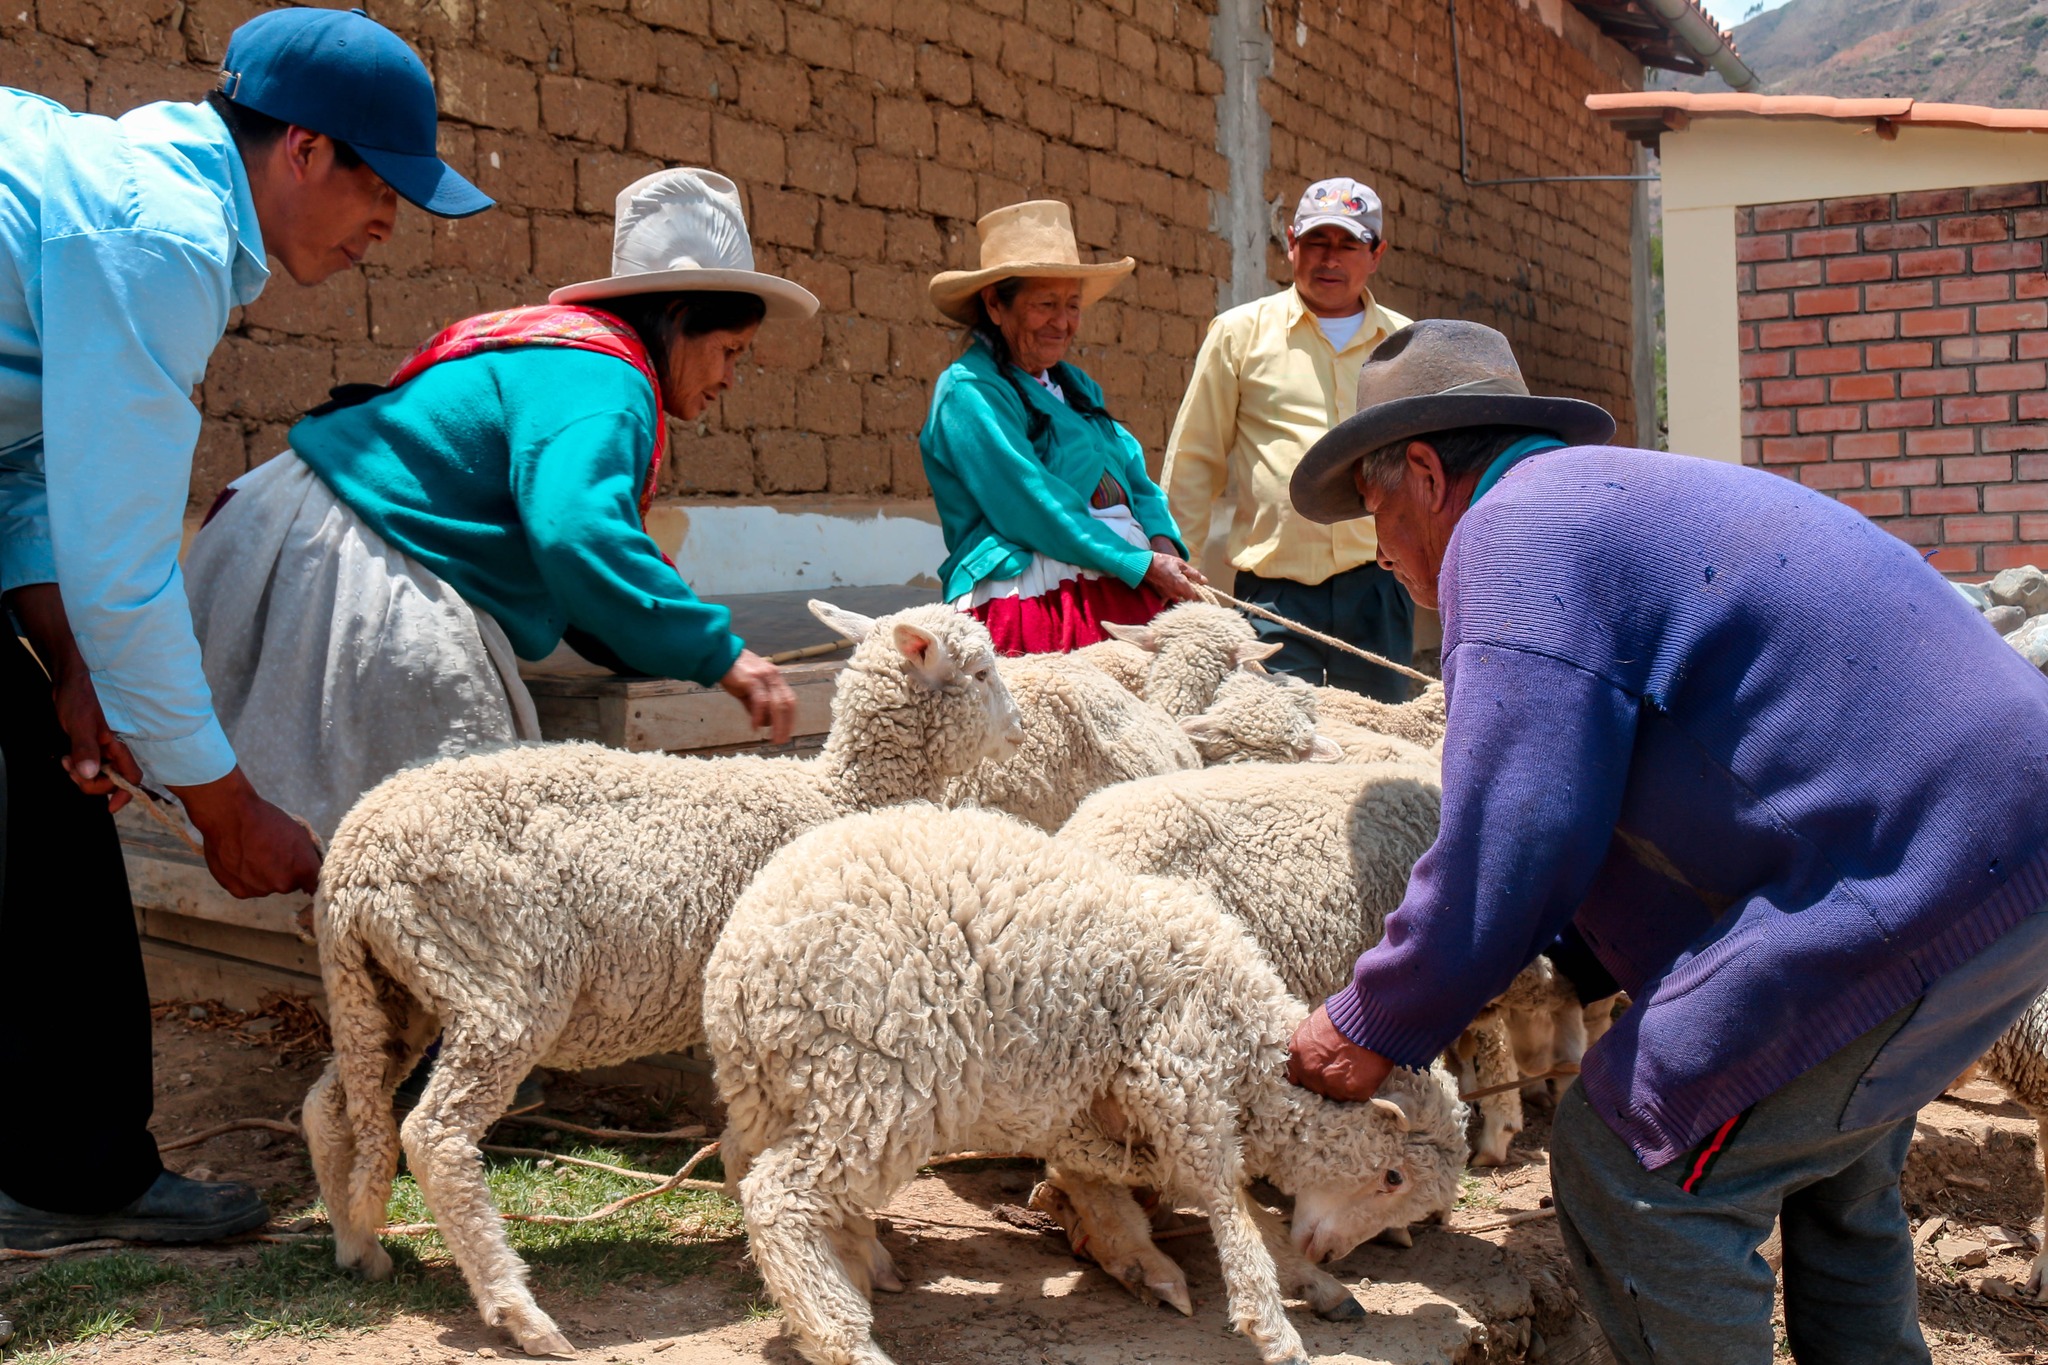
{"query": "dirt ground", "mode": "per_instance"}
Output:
(982, 1289)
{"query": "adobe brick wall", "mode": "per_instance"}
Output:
(1546, 264)
(867, 135)
(1895, 354)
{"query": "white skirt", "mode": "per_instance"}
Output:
(334, 659)
(1045, 573)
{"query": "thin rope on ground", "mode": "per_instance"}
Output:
(1222, 598)
(559, 1159)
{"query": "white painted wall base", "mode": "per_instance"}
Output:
(727, 548)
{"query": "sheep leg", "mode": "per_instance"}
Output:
(792, 1226)
(2037, 1282)
(472, 1084)
(1106, 1225)
(1329, 1296)
(379, 1035)
(868, 1263)
(1250, 1276)
(1500, 1116)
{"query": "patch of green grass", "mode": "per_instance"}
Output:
(296, 1290)
(1474, 1193)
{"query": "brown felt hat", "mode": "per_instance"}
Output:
(1035, 239)
(1439, 374)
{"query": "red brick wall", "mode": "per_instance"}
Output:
(1895, 354)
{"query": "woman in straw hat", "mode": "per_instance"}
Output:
(1053, 528)
(362, 601)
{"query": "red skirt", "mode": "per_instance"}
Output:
(1067, 618)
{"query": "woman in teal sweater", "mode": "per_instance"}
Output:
(1053, 526)
(363, 600)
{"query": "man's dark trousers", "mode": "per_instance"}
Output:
(74, 1008)
(1366, 606)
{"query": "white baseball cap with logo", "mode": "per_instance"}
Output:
(1340, 202)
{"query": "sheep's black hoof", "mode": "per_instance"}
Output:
(1346, 1309)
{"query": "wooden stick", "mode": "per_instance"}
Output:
(1225, 599)
(790, 656)
(155, 811)
(1561, 1069)
(233, 1126)
(694, 1130)
(648, 1176)
(97, 1244)
(679, 1181)
(1526, 1216)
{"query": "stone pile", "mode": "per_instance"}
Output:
(2016, 605)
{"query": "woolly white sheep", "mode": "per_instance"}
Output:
(2019, 1062)
(1312, 860)
(1261, 718)
(915, 981)
(555, 905)
(1421, 721)
(1193, 647)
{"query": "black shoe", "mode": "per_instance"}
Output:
(174, 1209)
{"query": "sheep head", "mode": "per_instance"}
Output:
(1195, 645)
(1357, 1169)
(1260, 718)
(929, 672)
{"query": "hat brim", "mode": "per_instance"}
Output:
(786, 299)
(1323, 490)
(953, 291)
(1336, 220)
(427, 182)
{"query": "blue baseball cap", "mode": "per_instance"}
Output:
(342, 73)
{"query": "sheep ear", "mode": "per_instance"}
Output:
(1395, 1114)
(927, 656)
(1144, 637)
(1325, 750)
(1253, 651)
(851, 624)
(1202, 727)
(1284, 680)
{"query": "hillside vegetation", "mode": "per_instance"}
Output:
(1961, 51)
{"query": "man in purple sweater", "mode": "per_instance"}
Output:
(1723, 742)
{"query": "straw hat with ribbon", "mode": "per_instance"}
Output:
(1034, 239)
(1439, 374)
(682, 229)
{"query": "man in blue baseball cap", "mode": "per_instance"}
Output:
(124, 245)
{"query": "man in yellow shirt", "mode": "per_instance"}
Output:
(1272, 377)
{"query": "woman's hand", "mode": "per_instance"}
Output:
(1173, 578)
(758, 686)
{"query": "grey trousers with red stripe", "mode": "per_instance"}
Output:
(1674, 1275)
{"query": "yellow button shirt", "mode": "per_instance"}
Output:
(1267, 385)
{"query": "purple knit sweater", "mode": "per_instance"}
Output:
(1772, 766)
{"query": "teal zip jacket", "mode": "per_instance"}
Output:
(515, 475)
(1001, 499)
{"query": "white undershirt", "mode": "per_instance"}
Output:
(1045, 378)
(1340, 331)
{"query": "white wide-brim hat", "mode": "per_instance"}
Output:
(1033, 239)
(682, 229)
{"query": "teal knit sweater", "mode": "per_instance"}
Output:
(516, 475)
(1001, 499)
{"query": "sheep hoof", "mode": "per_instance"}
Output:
(1174, 1293)
(547, 1344)
(1346, 1309)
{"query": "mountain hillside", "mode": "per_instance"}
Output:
(1965, 51)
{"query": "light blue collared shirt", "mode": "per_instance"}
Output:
(124, 244)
